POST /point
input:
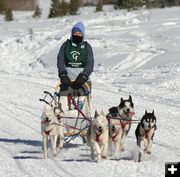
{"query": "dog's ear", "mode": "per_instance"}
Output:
(121, 100)
(57, 110)
(60, 107)
(153, 112)
(145, 112)
(102, 113)
(46, 108)
(121, 103)
(130, 98)
(96, 114)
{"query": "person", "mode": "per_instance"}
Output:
(75, 59)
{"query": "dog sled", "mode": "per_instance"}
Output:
(75, 106)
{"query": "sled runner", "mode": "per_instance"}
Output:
(76, 109)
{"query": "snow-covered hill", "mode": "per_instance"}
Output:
(135, 52)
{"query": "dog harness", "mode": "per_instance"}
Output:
(113, 137)
(45, 122)
(123, 124)
(97, 133)
(147, 131)
(47, 132)
(123, 120)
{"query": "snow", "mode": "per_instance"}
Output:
(135, 52)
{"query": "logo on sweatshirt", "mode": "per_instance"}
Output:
(83, 46)
(172, 169)
(75, 55)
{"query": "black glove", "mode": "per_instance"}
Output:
(76, 86)
(65, 80)
(81, 79)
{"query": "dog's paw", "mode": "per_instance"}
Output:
(45, 156)
(104, 157)
(122, 149)
(61, 147)
(148, 152)
(54, 154)
(99, 159)
(92, 159)
(140, 157)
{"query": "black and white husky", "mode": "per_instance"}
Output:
(124, 111)
(145, 133)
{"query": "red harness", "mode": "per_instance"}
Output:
(47, 132)
(69, 102)
(46, 122)
(97, 135)
(146, 132)
(123, 124)
(113, 137)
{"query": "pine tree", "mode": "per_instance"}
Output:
(74, 6)
(178, 2)
(130, 4)
(8, 15)
(54, 10)
(162, 3)
(58, 8)
(1, 8)
(119, 4)
(37, 12)
(99, 6)
(64, 8)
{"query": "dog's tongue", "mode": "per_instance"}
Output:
(131, 113)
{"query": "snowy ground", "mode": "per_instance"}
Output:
(136, 53)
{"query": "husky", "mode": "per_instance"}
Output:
(97, 137)
(145, 133)
(52, 128)
(124, 111)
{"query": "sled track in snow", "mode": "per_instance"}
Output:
(14, 116)
(18, 163)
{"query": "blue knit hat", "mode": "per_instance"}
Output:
(78, 27)
(76, 30)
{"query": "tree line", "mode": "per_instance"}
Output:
(134, 4)
(62, 7)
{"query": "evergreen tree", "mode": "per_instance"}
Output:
(119, 4)
(58, 8)
(130, 4)
(178, 2)
(37, 12)
(99, 6)
(1, 8)
(54, 10)
(162, 3)
(8, 15)
(74, 6)
(64, 8)
(134, 4)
